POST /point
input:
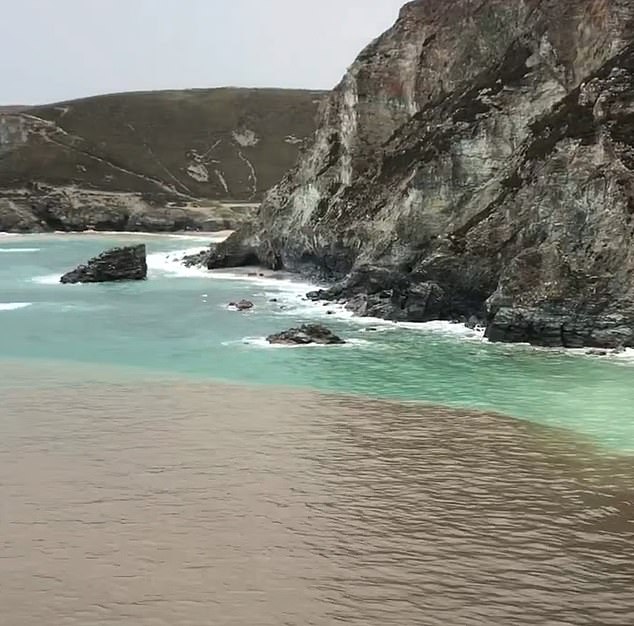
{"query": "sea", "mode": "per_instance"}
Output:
(162, 463)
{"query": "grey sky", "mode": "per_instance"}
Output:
(53, 50)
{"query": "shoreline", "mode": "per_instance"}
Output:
(42, 374)
(59, 374)
(340, 308)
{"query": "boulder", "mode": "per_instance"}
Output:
(305, 335)
(126, 263)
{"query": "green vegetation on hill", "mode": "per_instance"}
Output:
(220, 144)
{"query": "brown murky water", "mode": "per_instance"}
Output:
(188, 503)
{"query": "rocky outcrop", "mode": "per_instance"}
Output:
(477, 160)
(242, 305)
(305, 335)
(145, 160)
(126, 263)
(41, 208)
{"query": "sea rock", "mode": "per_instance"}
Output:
(305, 335)
(597, 352)
(483, 170)
(126, 263)
(473, 322)
(563, 326)
(198, 259)
(234, 252)
(242, 305)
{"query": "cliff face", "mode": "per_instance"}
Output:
(476, 159)
(123, 158)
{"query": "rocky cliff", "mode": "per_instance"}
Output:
(476, 160)
(158, 160)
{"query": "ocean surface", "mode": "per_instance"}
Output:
(178, 322)
(161, 464)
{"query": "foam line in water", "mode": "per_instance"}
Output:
(14, 306)
(261, 342)
(295, 306)
(19, 250)
(447, 328)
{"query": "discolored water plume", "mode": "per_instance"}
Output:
(148, 501)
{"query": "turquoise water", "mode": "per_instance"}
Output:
(178, 322)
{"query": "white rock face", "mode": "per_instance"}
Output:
(12, 131)
(198, 172)
(245, 138)
(222, 180)
(292, 140)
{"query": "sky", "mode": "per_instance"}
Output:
(52, 50)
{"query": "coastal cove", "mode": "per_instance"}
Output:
(177, 323)
(318, 353)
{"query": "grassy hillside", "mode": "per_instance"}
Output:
(12, 108)
(221, 144)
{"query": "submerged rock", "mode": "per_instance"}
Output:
(242, 305)
(305, 335)
(126, 263)
(597, 352)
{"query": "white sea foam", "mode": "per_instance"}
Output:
(446, 328)
(19, 250)
(14, 306)
(49, 279)
(625, 357)
(170, 263)
(291, 301)
(295, 306)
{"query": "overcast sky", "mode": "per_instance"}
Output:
(54, 50)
